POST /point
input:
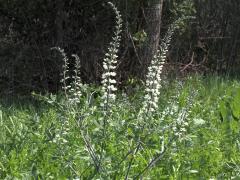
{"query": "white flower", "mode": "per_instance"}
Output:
(112, 96)
(198, 121)
(105, 66)
(113, 74)
(153, 77)
(112, 67)
(109, 63)
(112, 81)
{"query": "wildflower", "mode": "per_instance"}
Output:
(65, 73)
(198, 121)
(153, 78)
(76, 85)
(109, 63)
(73, 91)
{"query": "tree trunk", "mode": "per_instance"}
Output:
(153, 14)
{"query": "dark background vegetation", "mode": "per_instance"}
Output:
(28, 29)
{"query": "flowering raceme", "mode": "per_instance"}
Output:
(76, 85)
(65, 73)
(153, 80)
(72, 91)
(110, 63)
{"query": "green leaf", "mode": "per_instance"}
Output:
(235, 105)
(225, 111)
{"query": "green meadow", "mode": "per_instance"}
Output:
(194, 134)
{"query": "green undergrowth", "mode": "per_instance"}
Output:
(40, 140)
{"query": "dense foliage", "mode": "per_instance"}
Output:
(44, 141)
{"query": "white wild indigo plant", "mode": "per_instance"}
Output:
(76, 85)
(65, 71)
(153, 78)
(110, 63)
(96, 146)
(147, 122)
(71, 85)
(73, 93)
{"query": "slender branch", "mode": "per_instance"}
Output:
(158, 157)
(91, 152)
(134, 48)
(136, 147)
(131, 161)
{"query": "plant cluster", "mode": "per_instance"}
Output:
(83, 136)
(146, 120)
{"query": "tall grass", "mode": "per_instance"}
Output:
(35, 142)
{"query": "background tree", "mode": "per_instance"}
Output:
(28, 29)
(152, 13)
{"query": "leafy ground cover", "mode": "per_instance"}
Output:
(194, 134)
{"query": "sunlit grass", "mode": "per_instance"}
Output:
(38, 139)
